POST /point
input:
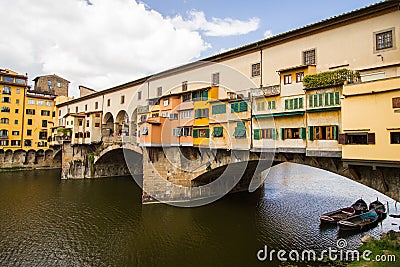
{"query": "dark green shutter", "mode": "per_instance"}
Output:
(303, 133)
(273, 133)
(207, 133)
(320, 100)
(310, 101)
(301, 102)
(335, 132)
(337, 98)
(283, 133)
(204, 95)
(296, 103)
(195, 133)
(256, 134)
(332, 99)
(311, 133)
(327, 99)
(286, 104)
(242, 106)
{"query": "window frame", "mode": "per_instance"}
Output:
(256, 69)
(393, 40)
(287, 79)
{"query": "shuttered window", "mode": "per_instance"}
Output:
(218, 131)
(240, 130)
(219, 109)
(239, 107)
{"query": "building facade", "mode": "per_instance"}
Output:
(51, 84)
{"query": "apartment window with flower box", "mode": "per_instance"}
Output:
(384, 40)
(309, 57)
(218, 131)
(323, 132)
(255, 69)
(294, 103)
(287, 79)
(269, 133)
(293, 133)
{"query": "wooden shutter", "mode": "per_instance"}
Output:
(207, 133)
(327, 99)
(195, 133)
(283, 133)
(335, 132)
(301, 102)
(286, 104)
(371, 138)
(256, 134)
(337, 98)
(273, 133)
(310, 101)
(303, 133)
(311, 133)
(342, 139)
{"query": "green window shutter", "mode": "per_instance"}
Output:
(269, 104)
(256, 134)
(320, 100)
(273, 104)
(286, 104)
(204, 95)
(301, 105)
(207, 133)
(310, 101)
(206, 113)
(218, 131)
(315, 97)
(283, 133)
(335, 132)
(214, 110)
(273, 134)
(303, 133)
(195, 133)
(331, 99)
(242, 106)
(337, 98)
(233, 107)
(311, 133)
(327, 99)
(291, 104)
(241, 124)
(296, 103)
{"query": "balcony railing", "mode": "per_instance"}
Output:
(267, 90)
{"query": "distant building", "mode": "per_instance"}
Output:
(84, 91)
(51, 84)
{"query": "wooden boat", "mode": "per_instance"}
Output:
(379, 208)
(359, 222)
(340, 214)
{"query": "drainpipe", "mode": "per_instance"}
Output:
(261, 68)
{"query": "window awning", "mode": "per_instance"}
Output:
(283, 114)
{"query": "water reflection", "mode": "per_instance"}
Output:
(46, 221)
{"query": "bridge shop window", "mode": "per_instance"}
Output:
(359, 138)
(186, 131)
(293, 133)
(323, 132)
(269, 133)
(294, 103)
(201, 133)
(395, 138)
(239, 107)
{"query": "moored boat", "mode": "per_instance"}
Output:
(359, 222)
(340, 214)
(379, 208)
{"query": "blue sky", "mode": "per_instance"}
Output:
(110, 42)
(276, 16)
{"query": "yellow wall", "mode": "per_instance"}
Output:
(371, 112)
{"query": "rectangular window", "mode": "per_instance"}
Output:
(271, 104)
(49, 103)
(86, 135)
(42, 135)
(15, 142)
(123, 99)
(16, 111)
(186, 97)
(239, 107)
(323, 132)
(204, 95)
(384, 40)
(85, 107)
(218, 131)
(201, 113)
(309, 57)
(18, 91)
(30, 111)
(17, 101)
(44, 123)
(108, 102)
(187, 131)
(80, 122)
(16, 122)
(97, 124)
(5, 109)
(45, 113)
(173, 116)
(145, 131)
(287, 79)
(15, 133)
(256, 69)
(215, 78)
(159, 91)
(294, 103)
(31, 102)
(299, 77)
(5, 121)
(196, 96)
(240, 130)
(3, 142)
(219, 109)
(184, 86)
(8, 79)
(76, 109)
(176, 132)
(269, 133)
(293, 133)
(87, 123)
(59, 85)
(203, 133)
(20, 81)
(6, 100)
(166, 102)
(139, 95)
(395, 138)
(187, 114)
(4, 133)
(40, 103)
(7, 90)
(261, 106)
(27, 142)
(96, 105)
(28, 132)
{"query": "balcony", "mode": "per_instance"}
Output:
(142, 109)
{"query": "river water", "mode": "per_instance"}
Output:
(46, 221)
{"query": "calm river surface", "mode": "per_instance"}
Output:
(46, 221)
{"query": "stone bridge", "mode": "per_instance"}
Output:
(190, 173)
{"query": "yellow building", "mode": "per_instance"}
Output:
(371, 123)
(13, 87)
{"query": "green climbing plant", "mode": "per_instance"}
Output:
(331, 78)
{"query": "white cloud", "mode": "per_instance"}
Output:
(216, 27)
(267, 33)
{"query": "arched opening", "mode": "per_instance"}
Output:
(119, 162)
(8, 156)
(19, 156)
(108, 125)
(122, 120)
(40, 156)
(30, 157)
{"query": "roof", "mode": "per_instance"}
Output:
(50, 75)
(299, 67)
(335, 21)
